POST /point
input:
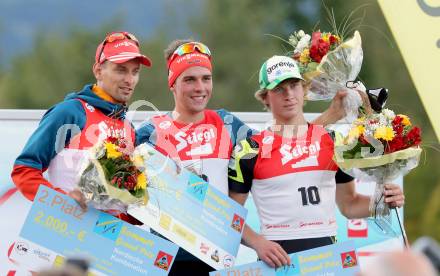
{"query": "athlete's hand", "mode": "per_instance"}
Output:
(271, 253)
(78, 196)
(394, 195)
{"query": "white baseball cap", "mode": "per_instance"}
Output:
(277, 69)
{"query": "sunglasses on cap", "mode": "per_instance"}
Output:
(191, 47)
(117, 36)
(188, 48)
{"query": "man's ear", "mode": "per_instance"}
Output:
(264, 98)
(173, 88)
(97, 69)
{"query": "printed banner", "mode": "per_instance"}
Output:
(187, 210)
(336, 259)
(57, 228)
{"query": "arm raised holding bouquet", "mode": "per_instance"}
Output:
(328, 63)
(290, 171)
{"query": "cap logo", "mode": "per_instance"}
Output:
(190, 56)
(280, 64)
(124, 43)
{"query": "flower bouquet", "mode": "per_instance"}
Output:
(328, 64)
(379, 147)
(114, 176)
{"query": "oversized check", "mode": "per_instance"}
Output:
(57, 228)
(187, 210)
(336, 259)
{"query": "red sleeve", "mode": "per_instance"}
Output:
(28, 180)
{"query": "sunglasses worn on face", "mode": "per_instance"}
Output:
(117, 36)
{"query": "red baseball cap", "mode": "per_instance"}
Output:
(119, 47)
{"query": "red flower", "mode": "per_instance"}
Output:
(397, 120)
(333, 39)
(314, 53)
(398, 129)
(314, 47)
(317, 52)
(112, 140)
(116, 181)
(413, 137)
(398, 143)
(130, 182)
(397, 125)
(323, 47)
(315, 37)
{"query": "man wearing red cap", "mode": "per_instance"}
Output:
(69, 128)
(201, 139)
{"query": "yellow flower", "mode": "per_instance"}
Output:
(141, 182)
(360, 129)
(326, 37)
(384, 133)
(354, 134)
(305, 56)
(405, 121)
(112, 151)
(138, 161)
(360, 120)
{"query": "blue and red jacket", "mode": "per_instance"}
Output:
(62, 139)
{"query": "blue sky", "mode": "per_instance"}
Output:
(21, 20)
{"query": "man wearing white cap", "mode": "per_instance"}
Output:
(290, 171)
(69, 128)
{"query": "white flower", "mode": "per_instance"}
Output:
(293, 40)
(142, 150)
(371, 127)
(303, 43)
(383, 121)
(300, 33)
(389, 114)
(369, 132)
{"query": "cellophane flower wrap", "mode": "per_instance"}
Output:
(328, 63)
(379, 147)
(115, 176)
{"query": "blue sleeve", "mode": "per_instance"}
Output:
(146, 134)
(237, 129)
(64, 120)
